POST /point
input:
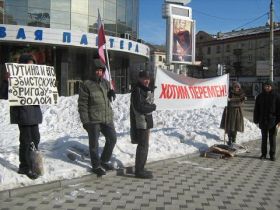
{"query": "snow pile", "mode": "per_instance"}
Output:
(64, 142)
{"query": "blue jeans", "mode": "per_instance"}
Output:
(108, 130)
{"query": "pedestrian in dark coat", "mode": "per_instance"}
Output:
(27, 118)
(232, 119)
(267, 115)
(141, 121)
(97, 116)
(4, 86)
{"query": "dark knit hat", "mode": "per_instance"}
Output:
(25, 58)
(97, 64)
(144, 75)
(268, 82)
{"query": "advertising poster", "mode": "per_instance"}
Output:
(181, 40)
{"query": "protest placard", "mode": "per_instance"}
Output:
(179, 92)
(31, 84)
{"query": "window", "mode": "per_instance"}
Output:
(1, 12)
(60, 14)
(16, 12)
(218, 60)
(249, 58)
(218, 49)
(39, 13)
(209, 50)
(160, 58)
(227, 60)
(208, 62)
(228, 48)
(250, 44)
(79, 15)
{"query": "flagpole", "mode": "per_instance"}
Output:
(108, 65)
(106, 51)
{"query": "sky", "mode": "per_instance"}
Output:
(212, 16)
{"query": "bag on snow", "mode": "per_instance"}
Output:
(36, 160)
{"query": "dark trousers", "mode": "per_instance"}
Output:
(27, 134)
(270, 133)
(232, 137)
(142, 149)
(108, 130)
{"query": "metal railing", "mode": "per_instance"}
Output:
(73, 87)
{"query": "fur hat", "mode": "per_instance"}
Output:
(144, 74)
(97, 64)
(236, 84)
(24, 58)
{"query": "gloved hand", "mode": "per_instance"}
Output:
(86, 126)
(111, 95)
(153, 88)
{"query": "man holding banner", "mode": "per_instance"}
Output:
(141, 121)
(27, 117)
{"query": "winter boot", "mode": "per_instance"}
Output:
(99, 171)
(107, 166)
(143, 175)
(229, 141)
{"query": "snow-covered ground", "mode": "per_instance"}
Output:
(176, 133)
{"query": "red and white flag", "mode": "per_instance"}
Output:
(101, 39)
(101, 43)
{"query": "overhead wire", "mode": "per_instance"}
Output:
(257, 18)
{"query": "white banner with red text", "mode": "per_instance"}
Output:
(179, 92)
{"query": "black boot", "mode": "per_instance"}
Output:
(263, 157)
(143, 175)
(229, 141)
(107, 166)
(99, 171)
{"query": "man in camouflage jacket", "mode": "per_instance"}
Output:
(97, 116)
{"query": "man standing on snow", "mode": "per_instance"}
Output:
(97, 116)
(267, 115)
(28, 119)
(141, 121)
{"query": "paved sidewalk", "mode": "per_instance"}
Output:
(243, 182)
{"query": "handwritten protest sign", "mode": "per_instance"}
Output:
(178, 92)
(31, 84)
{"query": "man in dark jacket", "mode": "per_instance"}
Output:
(4, 86)
(27, 118)
(267, 115)
(97, 116)
(141, 121)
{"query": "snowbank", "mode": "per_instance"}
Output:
(176, 133)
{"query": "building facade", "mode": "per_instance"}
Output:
(244, 54)
(64, 34)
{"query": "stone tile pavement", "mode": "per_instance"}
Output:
(242, 182)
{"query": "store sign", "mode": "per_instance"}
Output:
(70, 38)
(262, 68)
